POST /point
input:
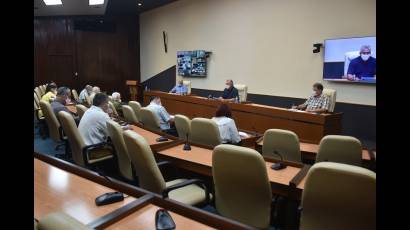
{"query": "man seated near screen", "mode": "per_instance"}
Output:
(165, 120)
(230, 92)
(317, 103)
(180, 88)
(363, 66)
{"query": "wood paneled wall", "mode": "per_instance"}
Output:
(100, 58)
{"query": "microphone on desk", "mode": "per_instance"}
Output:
(278, 165)
(187, 146)
(210, 96)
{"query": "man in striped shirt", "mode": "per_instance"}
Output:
(317, 103)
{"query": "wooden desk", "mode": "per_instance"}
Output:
(56, 190)
(144, 218)
(199, 160)
(309, 127)
(151, 137)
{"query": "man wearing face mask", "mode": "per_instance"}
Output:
(363, 66)
(230, 92)
(317, 103)
(180, 88)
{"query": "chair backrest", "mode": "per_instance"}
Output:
(38, 92)
(129, 114)
(339, 196)
(112, 107)
(187, 85)
(88, 100)
(205, 131)
(136, 106)
(75, 94)
(37, 99)
(42, 89)
(74, 138)
(149, 119)
(331, 93)
(242, 91)
(80, 110)
(146, 169)
(60, 221)
(110, 98)
(284, 142)
(124, 163)
(340, 149)
(183, 126)
(52, 122)
(242, 188)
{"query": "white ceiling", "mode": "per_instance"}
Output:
(69, 7)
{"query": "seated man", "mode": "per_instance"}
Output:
(86, 92)
(180, 88)
(50, 95)
(59, 103)
(165, 120)
(362, 66)
(227, 128)
(230, 93)
(116, 101)
(317, 103)
(95, 90)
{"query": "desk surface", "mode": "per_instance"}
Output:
(203, 156)
(149, 136)
(56, 190)
(144, 218)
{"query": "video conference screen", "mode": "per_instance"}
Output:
(350, 60)
(191, 63)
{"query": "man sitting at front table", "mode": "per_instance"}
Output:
(230, 92)
(362, 66)
(165, 120)
(317, 103)
(180, 88)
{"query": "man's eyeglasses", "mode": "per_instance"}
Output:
(365, 52)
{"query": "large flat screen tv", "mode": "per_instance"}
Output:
(191, 63)
(350, 60)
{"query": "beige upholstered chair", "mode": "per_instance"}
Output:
(42, 89)
(187, 85)
(80, 110)
(331, 93)
(242, 188)
(150, 177)
(340, 149)
(129, 114)
(59, 221)
(339, 196)
(83, 155)
(124, 163)
(52, 122)
(75, 94)
(136, 106)
(242, 91)
(284, 142)
(205, 131)
(112, 107)
(38, 92)
(149, 119)
(89, 101)
(183, 126)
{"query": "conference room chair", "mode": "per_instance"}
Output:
(205, 131)
(38, 92)
(187, 85)
(59, 221)
(54, 127)
(80, 110)
(75, 95)
(191, 192)
(83, 155)
(136, 106)
(242, 188)
(183, 126)
(42, 89)
(124, 163)
(242, 92)
(110, 98)
(40, 119)
(149, 119)
(129, 114)
(282, 142)
(338, 196)
(340, 149)
(331, 93)
(88, 101)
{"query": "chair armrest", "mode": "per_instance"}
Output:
(185, 183)
(162, 163)
(87, 148)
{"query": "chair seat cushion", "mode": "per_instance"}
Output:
(60, 221)
(191, 194)
(99, 154)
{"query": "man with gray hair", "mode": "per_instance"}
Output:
(86, 92)
(363, 66)
(116, 101)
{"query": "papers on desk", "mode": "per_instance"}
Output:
(243, 134)
(297, 110)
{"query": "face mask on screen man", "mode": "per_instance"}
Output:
(365, 57)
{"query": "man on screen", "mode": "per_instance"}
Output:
(362, 66)
(317, 103)
(230, 92)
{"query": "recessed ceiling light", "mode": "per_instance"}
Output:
(53, 2)
(139, 4)
(96, 2)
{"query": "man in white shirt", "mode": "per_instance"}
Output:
(95, 90)
(85, 93)
(226, 125)
(165, 120)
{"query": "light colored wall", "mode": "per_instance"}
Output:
(265, 44)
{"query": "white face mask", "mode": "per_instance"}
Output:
(365, 57)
